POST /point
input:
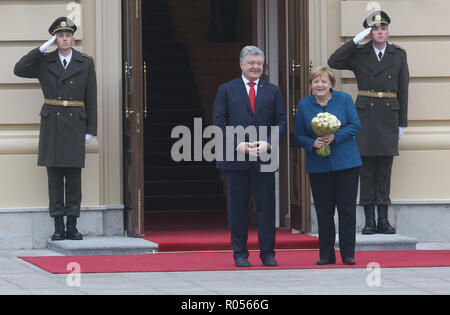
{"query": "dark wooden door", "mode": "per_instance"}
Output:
(294, 71)
(133, 115)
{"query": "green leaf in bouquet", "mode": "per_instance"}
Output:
(324, 151)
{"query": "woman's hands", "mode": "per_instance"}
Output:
(323, 141)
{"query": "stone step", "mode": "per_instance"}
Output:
(382, 242)
(107, 245)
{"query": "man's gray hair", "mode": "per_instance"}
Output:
(250, 50)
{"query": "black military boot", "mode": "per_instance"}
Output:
(71, 229)
(370, 227)
(383, 226)
(59, 229)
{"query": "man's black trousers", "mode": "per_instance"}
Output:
(64, 190)
(375, 180)
(240, 185)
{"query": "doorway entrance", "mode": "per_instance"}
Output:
(187, 50)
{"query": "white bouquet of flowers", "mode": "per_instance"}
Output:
(325, 124)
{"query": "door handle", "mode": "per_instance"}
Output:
(128, 90)
(145, 91)
(294, 67)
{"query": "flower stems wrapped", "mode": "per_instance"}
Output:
(325, 124)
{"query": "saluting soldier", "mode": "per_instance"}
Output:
(382, 75)
(68, 120)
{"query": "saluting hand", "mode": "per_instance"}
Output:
(47, 44)
(359, 38)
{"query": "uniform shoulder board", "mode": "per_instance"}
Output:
(360, 46)
(399, 47)
(87, 56)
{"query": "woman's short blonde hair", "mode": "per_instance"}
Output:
(321, 70)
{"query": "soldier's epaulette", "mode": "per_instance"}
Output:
(360, 46)
(398, 47)
(87, 56)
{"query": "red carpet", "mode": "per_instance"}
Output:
(183, 221)
(219, 241)
(171, 262)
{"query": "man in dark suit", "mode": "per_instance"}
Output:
(68, 120)
(257, 107)
(382, 74)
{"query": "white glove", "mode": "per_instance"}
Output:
(401, 132)
(89, 138)
(359, 38)
(47, 44)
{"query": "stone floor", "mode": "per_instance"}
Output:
(19, 277)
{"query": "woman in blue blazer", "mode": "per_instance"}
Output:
(333, 179)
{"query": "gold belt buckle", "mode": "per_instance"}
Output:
(65, 103)
(380, 94)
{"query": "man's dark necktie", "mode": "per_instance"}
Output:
(380, 55)
(65, 63)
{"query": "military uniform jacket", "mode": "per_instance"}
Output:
(380, 117)
(63, 129)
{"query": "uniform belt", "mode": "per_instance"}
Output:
(64, 103)
(377, 94)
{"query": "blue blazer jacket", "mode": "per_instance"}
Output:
(344, 151)
(232, 109)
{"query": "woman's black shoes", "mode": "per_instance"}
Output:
(348, 261)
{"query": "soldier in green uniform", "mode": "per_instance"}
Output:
(68, 120)
(382, 76)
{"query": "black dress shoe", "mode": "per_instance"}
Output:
(71, 231)
(58, 237)
(59, 234)
(370, 226)
(322, 261)
(269, 261)
(242, 262)
(348, 261)
(383, 225)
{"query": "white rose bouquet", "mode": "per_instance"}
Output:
(325, 124)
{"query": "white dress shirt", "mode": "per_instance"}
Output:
(377, 52)
(68, 59)
(246, 81)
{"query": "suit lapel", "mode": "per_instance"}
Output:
(244, 95)
(388, 59)
(260, 96)
(73, 67)
(372, 59)
(54, 64)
